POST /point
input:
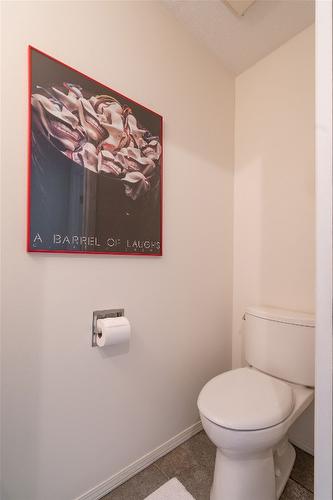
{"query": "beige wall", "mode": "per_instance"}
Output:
(274, 189)
(274, 183)
(73, 416)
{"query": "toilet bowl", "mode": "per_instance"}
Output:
(247, 415)
(247, 412)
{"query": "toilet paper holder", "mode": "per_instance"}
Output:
(106, 313)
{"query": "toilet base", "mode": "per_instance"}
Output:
(284, 459)
(258, 476)
(244, 477)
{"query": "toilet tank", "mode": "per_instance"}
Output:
(281, 343)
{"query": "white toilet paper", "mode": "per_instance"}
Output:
(112, 331)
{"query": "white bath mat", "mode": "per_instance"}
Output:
(172, 490)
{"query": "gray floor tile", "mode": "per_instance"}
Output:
(193, 465)
(178, 460)
(202, 450)
(197, 481)
(303, 469)
(139, 486)
(294, 491)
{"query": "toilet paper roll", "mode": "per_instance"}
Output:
(112, 331)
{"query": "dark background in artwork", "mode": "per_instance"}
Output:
(68, 199)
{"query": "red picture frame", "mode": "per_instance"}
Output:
(95, 165)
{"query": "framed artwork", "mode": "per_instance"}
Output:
(95, 165)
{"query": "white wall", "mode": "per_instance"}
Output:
(73, 415)
(274, 190)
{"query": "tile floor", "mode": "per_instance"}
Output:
(193, 464)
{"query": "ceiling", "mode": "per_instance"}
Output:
(240, 42)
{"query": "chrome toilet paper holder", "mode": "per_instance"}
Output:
(106, 313)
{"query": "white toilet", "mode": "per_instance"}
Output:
(247, 412)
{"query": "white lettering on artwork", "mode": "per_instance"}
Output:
(65, 239)
(113, 242)
(143, 245)
(38, 239)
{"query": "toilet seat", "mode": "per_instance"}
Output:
(246, 399)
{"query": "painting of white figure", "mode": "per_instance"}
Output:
(95, 166)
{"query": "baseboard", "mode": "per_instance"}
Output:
(302, 445)
(120, 477)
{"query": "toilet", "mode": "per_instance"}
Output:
(247, 412)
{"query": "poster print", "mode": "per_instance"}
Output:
(95, 162)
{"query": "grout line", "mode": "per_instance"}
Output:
(300, 484)
(164, 474)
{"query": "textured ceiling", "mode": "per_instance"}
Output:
(241, 41)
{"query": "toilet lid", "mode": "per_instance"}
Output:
(246, 399)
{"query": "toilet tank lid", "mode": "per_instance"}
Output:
(282, 315)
